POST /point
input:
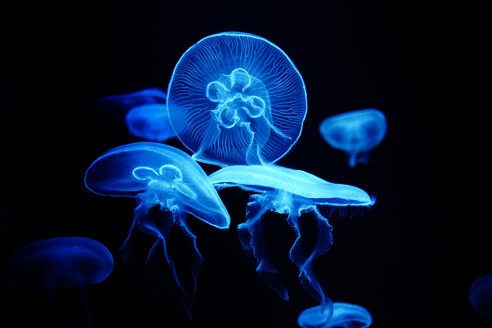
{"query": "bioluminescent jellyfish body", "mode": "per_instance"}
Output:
(166, 179)
(55, 263)
(124, 102)
(150, 122)
(343, 315)
(236, 98)
(145, 113)
(480, 295)
(292, 192)
(355, 132)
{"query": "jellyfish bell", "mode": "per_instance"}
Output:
(150, 122)
(296, 182)
(480, 295)
(126, 101)
(162, 179)
(343, 315)
(236, 98)
(58, 263)
(158, 173)
(355, 132)
(292, 192)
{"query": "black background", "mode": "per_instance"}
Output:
(409, 261)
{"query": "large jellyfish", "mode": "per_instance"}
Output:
(145, 111)
(167, 184)
(342, 315)
(236, 98)
(52, 264)
(355, 132)
(480, 295)
(292, 192)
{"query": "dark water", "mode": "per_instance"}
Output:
(409, 261)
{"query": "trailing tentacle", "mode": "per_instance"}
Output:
(253, 242)
(323, 242)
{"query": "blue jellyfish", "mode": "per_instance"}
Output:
(167, 183)
(292, 192)
(150, 122)
(123, 102)
(355, 132)
(236, 98)
(342, 315)
(56, 263)
(145, 113)
(480, 295)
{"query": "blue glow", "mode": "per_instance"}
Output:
(124, 102)
(344, 315)
(292, 192)
(355, 132)
(163, 177)
(57, 263)
(150, 122)
(145, 113)
(236, 98)
(480, 295)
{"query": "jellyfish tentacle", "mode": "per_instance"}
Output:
(352, 159)
(196, 257)
(322, 244)
(253, 243)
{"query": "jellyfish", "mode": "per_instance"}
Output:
(56, 263)
(480, 295)
(145, 111)
(167, 184)
(236, 98)
(342, 315)
(355, 132)
(292, 192)
(150, 122)
(123, 102)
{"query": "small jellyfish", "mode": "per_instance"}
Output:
(123, 102)
(145, 111)
(342, 315)
(167, 184)
(355, 132)
(236, 98)
(292, 192)
(480, 295)
(56, 263)
(150, 122)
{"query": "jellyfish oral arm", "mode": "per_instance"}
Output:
(324, 241)
(253, 242)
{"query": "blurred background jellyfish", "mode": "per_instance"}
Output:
(236, 98)
(292, 192)
(57, 263)
(480, 295)
(355, 132)
(342, 315)
(145, 113)
(167, 184)
(150, 122)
